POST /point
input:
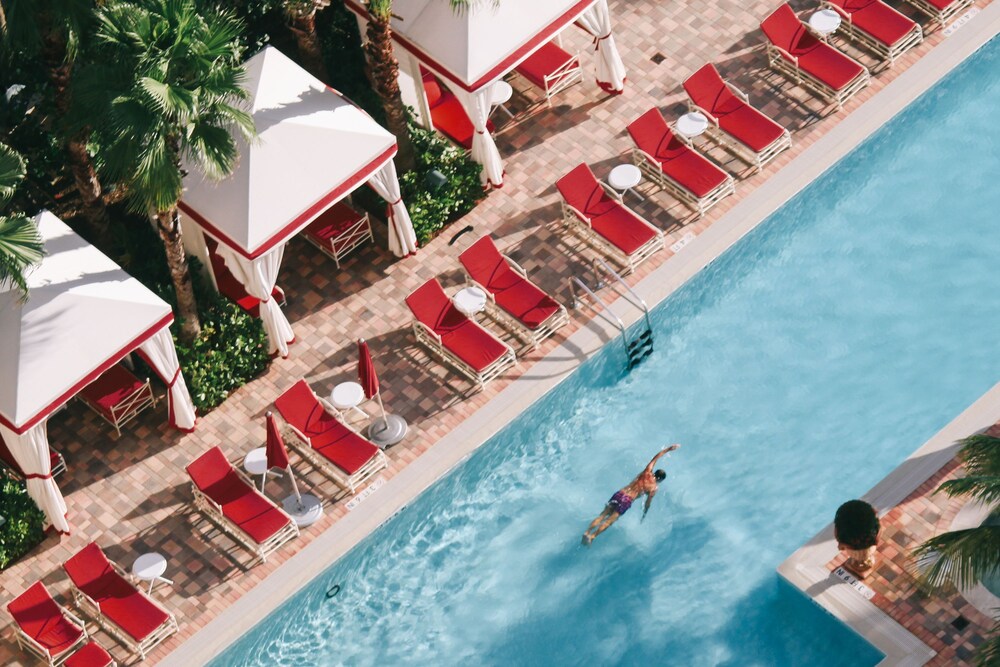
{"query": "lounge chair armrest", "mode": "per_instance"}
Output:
(739, 93)
(417, 324)
(646, 156)
(246, 478)
(576, 212)
(76, 619)
(844, 14)
(517, 267)
(480, 286)
(786, 54)
(127, 576)
(611, 192)
(704, 112)
(329, 407)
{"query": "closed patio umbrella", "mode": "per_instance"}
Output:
(390, 429)
(304, 509)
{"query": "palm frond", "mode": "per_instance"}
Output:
(960, 557)
(988, 653)
(12, 170)
(212, 147)
(980, 455)
(20, 247)
(172, 100)
(984, 489)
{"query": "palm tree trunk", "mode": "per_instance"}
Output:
(81, 166)
(303, 26)
(383, 72)
(168, 224)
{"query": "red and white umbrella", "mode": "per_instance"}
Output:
(390, 429)
(277, 454)
(367, 377)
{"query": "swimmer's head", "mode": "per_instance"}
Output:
(659, 475)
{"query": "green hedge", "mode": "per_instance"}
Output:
(22, 527)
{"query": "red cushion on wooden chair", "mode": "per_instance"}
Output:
(113, 386)
(91, 655)
(784, 29)
(333, 222)
(676, 159)
(38, 616)
(542, 63)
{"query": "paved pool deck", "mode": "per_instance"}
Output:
(131, 494)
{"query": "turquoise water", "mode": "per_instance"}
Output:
(797, 371)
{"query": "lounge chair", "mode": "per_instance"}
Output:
(339, 230)
(104, 590)
(43, 627)
(733, 122)
(597, 213)
(877, 26)
(455, 338)
(448, 116)
(324, 440)
(117, 396)
(91, 655)
(552, 69)
(797, 53)
(57, 464)
(232, 502)
(675, 166)
(941, 11)
(511, 298)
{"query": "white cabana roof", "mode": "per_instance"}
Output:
(476, 46)
(83, 315)
(314, 147)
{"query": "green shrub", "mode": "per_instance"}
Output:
(432, 210)
(22, 528)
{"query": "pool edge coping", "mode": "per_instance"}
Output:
(329, 546)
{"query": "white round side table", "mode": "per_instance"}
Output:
(692, 124)
(255, 463)
(470, 300)
(824, 23)
(500, 94)
(150, 567)
(624, 178)
(348, 396)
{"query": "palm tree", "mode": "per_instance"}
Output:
(301, 16)
(52, 31)
(20, 243)
(965, 557)
(383, 72)
(173, 92)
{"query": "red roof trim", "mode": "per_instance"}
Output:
(303, 219)
(90, 377)
(505, 65)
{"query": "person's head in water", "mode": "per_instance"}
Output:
(659, 475)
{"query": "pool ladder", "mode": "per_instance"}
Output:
(637, 347)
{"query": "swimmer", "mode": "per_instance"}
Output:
(644, 483)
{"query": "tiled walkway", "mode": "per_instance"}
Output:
(946, 621)
(131, 494)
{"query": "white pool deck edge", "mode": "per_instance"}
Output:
(327, 547)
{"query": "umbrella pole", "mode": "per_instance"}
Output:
(385, 420)
(295, 488)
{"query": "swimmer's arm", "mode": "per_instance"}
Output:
(645, 507)
(665, 450)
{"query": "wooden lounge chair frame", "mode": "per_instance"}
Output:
(128, 409)
(432, 341)
(29, 645)
(785, 63)
(352, 237)
(650, 167)
(885, 51)
(562, 78)
(940, 16)
(533, 337)
(576, 220)
(92, 609)
(215, 514)
(734, 145)
(301, 444)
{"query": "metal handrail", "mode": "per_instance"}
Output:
(616, 322)
(610, 271)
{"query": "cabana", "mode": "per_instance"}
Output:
(471, 49)
(84, 314)
(314, 147)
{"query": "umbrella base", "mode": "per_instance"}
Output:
(305, 514)
(387, 431)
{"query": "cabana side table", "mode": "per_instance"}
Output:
(150, 567)
(691, 124)
(824, 23)
(470, 300)
(348, 396)
(500, 94)
(624, 178)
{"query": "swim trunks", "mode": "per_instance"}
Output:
(620, 502)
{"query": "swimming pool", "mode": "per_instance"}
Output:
(797, 370)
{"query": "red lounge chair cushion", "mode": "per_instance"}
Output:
(608, 217)
(38, 615)
(332, 223)
(737, 118)
(816, 57)
(542, 63)
(91, 655)
(433, 90)
(240, 502)
(118, 600)
(459, 335)
(877, 19)
(112, 388)
(327, 435)
(448, 116)
(676, 159)
(942, 4)
(512, 292)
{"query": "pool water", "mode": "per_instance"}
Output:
(797, 371)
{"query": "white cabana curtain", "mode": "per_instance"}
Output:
(484, 149)
(402, 239)
(610, 68)
(259, 277)
(31, 452)
(159, 352)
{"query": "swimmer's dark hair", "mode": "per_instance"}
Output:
(659, 475)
